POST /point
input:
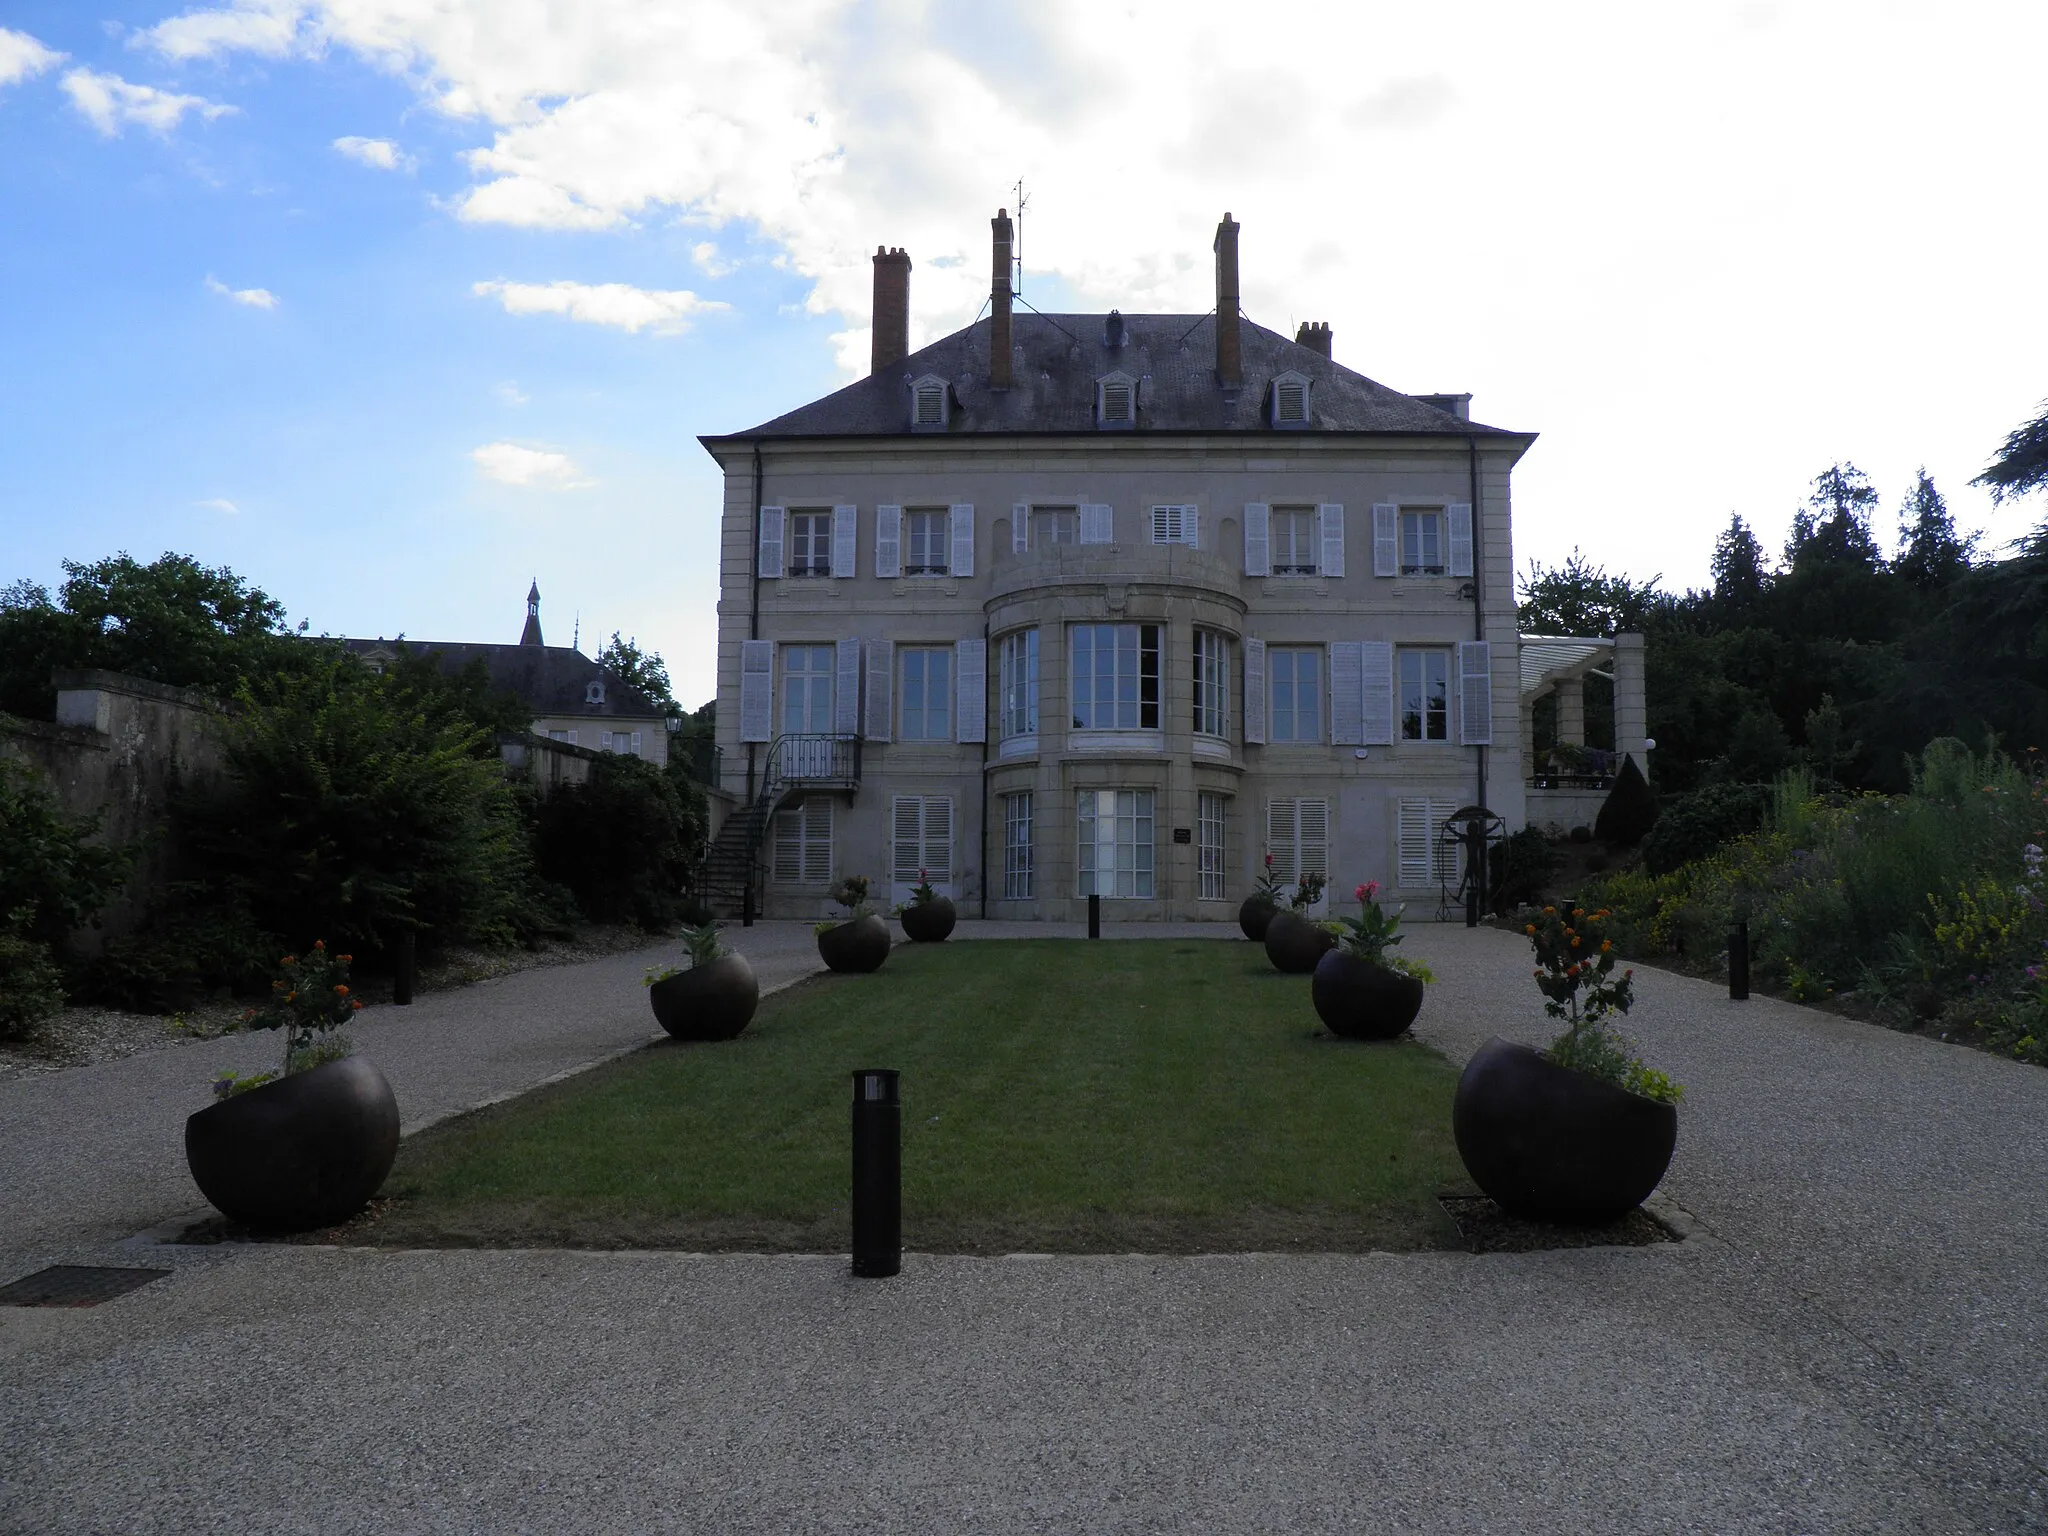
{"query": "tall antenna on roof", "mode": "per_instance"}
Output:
(576, 635)
(1017, 252)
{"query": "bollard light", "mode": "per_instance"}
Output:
(1475, 867)
(877, 1174)
(1738, 961)
(1094, 917)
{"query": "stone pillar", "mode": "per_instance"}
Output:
(1571, 711)
(1631, 711)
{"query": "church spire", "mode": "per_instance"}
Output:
(531, 634)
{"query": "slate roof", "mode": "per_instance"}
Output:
(1058, 358)
(551, 679)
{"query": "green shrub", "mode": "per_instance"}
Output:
(1629, 810)
(31, 987)
(1522, 865)
(1692, 826)
(52, 877)
(624, 843)
(193, 944)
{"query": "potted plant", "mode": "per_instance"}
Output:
(1361, 992)
(1259, 907)
(858, 942)
(308, 1145)
(1582, 1131)
(713, 998)
(927, 917)
(1294, 943)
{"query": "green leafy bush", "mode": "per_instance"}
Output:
(1629, 810)
(624, 843)
(1575, 964)
(1522, 865)
(1691, 826)
(31, 987)
(53, 878)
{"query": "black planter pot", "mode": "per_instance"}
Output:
(1553, 1145)
(860, 945)
(1363, 1001)
(1253, 915)
(711, 1002)
(929, 922)
(305, 1151)
(1294, 944)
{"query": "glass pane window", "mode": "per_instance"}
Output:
(1211, 864)
(1018, 660)
(925, 531)
(1017, 883)
(810, 544)
(1116, 843)
(927, 695)
(1055, 525)
(1425, 695)
(1212, 683)
(807, 688)
(1293, 532)
(1294, 695)
(1422, 546)
(1115, 676)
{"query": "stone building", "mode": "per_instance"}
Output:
(1114, 604)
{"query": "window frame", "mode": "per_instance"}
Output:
(1294, 693)
(1422, 655)
(810, 675)
(1144, 863)
(939, 518)
(1211, 683)
(1311, 540)
(1046, 528)
(1019, 874)
(924, 714)
(1017, 697)
(817, 538)
(1212, 845)
(1434, 521)
(1145, 654)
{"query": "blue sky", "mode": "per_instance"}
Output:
(412, 303)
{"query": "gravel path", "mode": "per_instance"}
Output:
(1851, 1340)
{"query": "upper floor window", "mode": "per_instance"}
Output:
(1018, 679)
(1175, 525)
(1422, 542)
(1115, 676)
(1055, 525)
(927, 694)
(593, 692)
(807, 688)
(1293, 532)
(1290, 400)
(1116, 400)
(925, 534)
(1294, 695)
(930, 402)
(810, 542)
(1425, 695)
(1212, 683)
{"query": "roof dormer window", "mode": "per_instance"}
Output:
(1290, 400)
(593, 692)
(1116, 400)
(930, 404)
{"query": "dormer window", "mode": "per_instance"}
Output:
(593, 693)
(1116, 400)
(1290, 400)
(930, 404)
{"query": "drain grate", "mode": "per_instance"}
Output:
(1486, 1228)
(75, 1285)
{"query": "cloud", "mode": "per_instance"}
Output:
(218, 504)
(512, 394)
(1409, 102)
(22, 57)
(108, 102)
(541, 469)
(379, 154)
(266, 27)
(709, 262)
(667, 311)
(255, 298)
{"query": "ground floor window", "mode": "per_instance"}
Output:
(1424, 858)
(803, 842)
(1116, 842)
(1017, 884)
(1298, 838)
(1210, 860)
(921, 837)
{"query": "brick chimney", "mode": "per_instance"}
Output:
(1315, 335)
(1229, 348)
(999, 343)
(892, 309)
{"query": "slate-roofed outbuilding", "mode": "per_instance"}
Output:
(551, 679)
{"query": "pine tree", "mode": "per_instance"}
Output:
(1835, 527)
(1738, 566)
(2022, 462)
(1930, 554)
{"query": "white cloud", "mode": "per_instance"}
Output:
(709, 262)
(22, 57)
(108, 102)
(255, 298)
(267, 27)
(542, 469)
(512, 394)
(218, 504)
(379, 154)
(668, 311)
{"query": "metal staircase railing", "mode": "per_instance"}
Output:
(797, 762)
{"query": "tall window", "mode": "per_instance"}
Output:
(921, 839)
(807, 688)
(1211, 863)
(810, 544)
(1116, 843)
(1294, 695)
(927, 694)
(1018, 662)
(1422, 543)
(803, 842)
(1293, 532)
(1212, 683)
(1055, 525)
(1116, 676)
(1017, 882)
(1424, 857)
(925, 532)
(1298, 837)
(1425, 695)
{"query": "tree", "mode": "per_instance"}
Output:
(1930, 554)
(1580, 598)
(1738, 566)
(2022, 461)
(645, 670)
(623, 843)
(1826, 748)
(1834, 528)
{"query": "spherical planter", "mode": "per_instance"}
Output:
(860, 945)
(927, 922)
(711, 1002)
(1253, 915)
(1363, 1001)
(1551, 1144)
(305, 1151)
(1294, 944)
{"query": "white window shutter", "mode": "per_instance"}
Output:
(970, 690)
(1254, 691)
(1258, 539)
(906, 838)
(881, 701)
(1386, 540)
(757, 690)
(1412, 835)
(1376, 675)
(1020, 528)
(817, 862)
(1331, 516)
(1312, 834)
(888, 541)
(1191, 527)
(1347, 693)
(1280, 839)
(1098, 523)
(961, 542)
(1166, 525)
(771, 541)
(1475, 693)
(845, 522)
(935, 852)
(788, 865)
(846, 689)
(1459, 516)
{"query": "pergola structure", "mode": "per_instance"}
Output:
(1559, 665)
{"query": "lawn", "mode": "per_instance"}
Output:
(1058, 1096)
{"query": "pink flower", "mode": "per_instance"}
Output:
(1360, 893)
(1269, 861)
(1372, 889)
